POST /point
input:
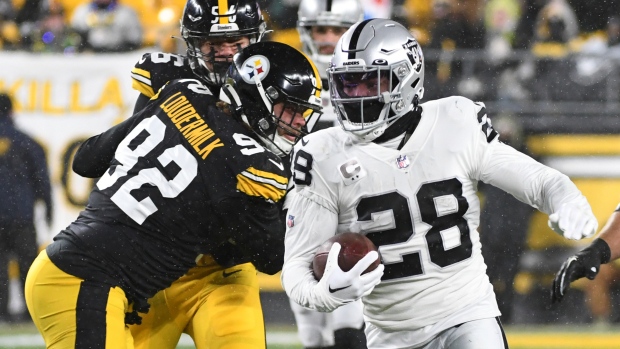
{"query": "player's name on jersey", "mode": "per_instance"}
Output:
(184, 116)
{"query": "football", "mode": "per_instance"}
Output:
(354, 247)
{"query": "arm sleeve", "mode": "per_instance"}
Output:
(93, 157)
(305, 233)
(140, 103)
(257, 231)
(528, 180)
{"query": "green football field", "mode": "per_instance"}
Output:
(281, 337)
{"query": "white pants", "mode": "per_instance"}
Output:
(477, 334)
(316, 329)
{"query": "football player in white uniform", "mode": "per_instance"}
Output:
(321, 24)
(405, 175)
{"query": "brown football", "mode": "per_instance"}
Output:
(354, 247)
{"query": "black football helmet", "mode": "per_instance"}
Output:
(205, 20)
(265, 75)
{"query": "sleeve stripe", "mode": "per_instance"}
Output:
(268, 175)
(265, 181)
(145, 74)
(141, 81)
(253, 188)
(481, 114)
(142, 88)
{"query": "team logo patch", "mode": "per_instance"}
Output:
(290, 221)
(351, 171)
(402, 161)
(253, 67)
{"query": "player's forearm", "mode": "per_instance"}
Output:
(530, 181)
(298, 282)
(257, 231)
(141, 102)
(93, 157)
(611, 234)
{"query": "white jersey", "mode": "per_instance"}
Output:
(419, 206)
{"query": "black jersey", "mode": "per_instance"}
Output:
(154, 70)
(185, 178)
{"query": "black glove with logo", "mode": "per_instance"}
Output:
(586, 263)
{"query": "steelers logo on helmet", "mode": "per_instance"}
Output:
(255, 69)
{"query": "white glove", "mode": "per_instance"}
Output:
(337, 287)
(574, 221)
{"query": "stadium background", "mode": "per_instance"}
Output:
(62, 99)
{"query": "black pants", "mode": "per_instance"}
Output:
(18, 240)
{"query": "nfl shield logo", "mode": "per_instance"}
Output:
(290, 221)
(402, 161)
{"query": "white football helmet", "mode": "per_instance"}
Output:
(333, 13)
(376, 76)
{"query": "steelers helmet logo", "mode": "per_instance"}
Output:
(255, 67)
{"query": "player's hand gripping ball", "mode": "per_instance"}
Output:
(354, 247)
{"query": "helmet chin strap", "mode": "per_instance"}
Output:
(279, 145)
(261, 92)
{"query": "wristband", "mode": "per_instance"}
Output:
(601, 248)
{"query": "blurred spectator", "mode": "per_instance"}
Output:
(555, 28)
(418, 14)
(501, 18)
(281, 18)
(282, 14)
(593, 15)
(524, 33)
(9, 31)
(453, 28)
(25, 179)
(596, 64)
(504, 223)
(556, 23)
(51, 33)
(107, 26)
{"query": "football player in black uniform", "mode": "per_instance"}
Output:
(190, 175)
(213, 32)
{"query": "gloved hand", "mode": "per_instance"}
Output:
(574, 221)
(337, 287)
(585, 263)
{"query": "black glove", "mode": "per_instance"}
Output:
(585, 263)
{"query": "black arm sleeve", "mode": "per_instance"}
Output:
(140, 103)
(93, 157)
(256, 230)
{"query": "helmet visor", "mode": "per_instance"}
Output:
(359, 95)
(216, 54)
(294, 120)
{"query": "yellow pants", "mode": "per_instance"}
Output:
(73, 313)
(219, 308)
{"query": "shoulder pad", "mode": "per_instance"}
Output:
(321, 143)
(153, 70)
(461, 110)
